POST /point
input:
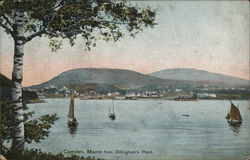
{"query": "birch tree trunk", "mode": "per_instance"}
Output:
(17, 146)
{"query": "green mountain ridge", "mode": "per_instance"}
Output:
(116, 79)
(200, 76)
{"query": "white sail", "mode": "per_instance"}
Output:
(71, 113)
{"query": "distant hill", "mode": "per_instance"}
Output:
(110, 80)
(100, 88)
(200, 77)
(115, 77)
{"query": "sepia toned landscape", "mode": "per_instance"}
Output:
(117, 80)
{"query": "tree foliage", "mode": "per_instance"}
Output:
(35, 129)
(68, 19)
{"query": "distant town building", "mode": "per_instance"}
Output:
(178, 90)
(208, 95)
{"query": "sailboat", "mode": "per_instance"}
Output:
(160, 101)
(234, 117)
(112, 115)
(71, 115)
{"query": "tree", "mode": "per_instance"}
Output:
(35, 129)
(24, 20)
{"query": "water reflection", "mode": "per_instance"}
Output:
(72, 130)
(235, 127)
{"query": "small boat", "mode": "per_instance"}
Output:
(234, 117)
(112, 115)
(160, 101)
(71, 115)
(185, 115)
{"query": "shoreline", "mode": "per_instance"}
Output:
(139, 98)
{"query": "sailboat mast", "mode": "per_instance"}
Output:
(73, 107)
(113, 106)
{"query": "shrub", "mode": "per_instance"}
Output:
(36, 154)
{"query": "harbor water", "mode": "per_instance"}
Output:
(147, 129)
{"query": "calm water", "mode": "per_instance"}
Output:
(160, 129)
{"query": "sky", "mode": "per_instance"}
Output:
(205, 35)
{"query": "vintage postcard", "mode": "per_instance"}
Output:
(124, 80)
